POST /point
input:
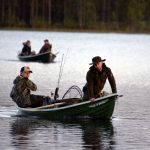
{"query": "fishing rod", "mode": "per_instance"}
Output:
(60, 75)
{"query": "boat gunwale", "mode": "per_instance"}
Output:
(66, 107)
(36, 55)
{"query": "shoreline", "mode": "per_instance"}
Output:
(73, 30)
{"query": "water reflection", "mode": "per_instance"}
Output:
(20, 130)
(79, 134)
(98, 135)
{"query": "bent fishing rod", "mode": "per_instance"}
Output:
(60, 75)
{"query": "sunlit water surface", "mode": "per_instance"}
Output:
(127, 55)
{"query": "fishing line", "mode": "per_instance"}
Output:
(60, 71)
(63, 61)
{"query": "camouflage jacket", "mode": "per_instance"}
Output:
(21, 91)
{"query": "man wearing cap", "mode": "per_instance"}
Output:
(46, 47)
(96, 78)
(21, 91)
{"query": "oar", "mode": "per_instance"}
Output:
(56, 53)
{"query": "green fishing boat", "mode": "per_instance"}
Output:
(42, 57)
(102, 108)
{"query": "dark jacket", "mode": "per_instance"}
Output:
(21, 91)
(96, 81)
(26, 50)
(46, 48)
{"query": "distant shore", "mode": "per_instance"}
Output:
(73, 30)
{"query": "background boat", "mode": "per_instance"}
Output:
(43, 57)
(101, 108)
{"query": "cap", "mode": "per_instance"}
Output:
(96, 59)
(25, 69)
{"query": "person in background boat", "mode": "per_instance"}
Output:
(21, 91)
(96, 78)
(26, 50)
(46, 47)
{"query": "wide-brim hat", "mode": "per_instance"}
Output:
(97, 59)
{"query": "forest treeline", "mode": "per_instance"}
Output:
(102, 15)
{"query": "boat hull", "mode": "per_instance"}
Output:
(43, 57)
(101, 108)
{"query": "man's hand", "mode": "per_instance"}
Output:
(92, 99)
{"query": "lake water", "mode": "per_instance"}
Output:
(128, 57)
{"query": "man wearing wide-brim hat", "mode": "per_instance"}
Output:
(96, 78)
